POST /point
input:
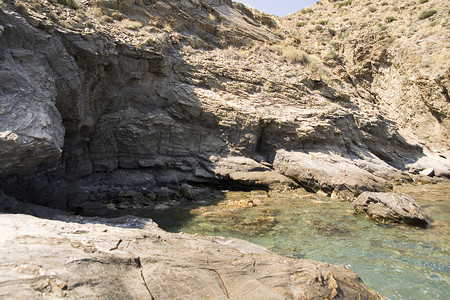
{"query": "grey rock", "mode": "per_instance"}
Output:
(248, 171)
(133, 112)
(187, 191)
(165, 193)
(31, 129)
(393, 208)
(333, 174)
(132, 258)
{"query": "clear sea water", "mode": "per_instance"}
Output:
(399, 262)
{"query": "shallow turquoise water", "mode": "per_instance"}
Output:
(399, 262)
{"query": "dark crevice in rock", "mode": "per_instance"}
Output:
(141, 270)
(222, 282)
(446, 94)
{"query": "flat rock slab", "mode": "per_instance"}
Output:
(131, 258)
(391, 208)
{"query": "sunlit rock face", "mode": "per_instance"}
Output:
(139, 95)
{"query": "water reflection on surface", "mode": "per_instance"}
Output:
(399, 262)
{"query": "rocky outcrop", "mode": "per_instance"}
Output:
(219, 94)
(337, 176)
(132, 258)
(391, 208)
(392, 55)
(31, 130)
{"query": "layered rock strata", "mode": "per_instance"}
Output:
(135, 99)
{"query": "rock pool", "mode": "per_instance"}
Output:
(399, 262)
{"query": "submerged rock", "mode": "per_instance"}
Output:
(131, 258)
(392, 207)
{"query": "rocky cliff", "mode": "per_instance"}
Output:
(98, 97)
(106, 100)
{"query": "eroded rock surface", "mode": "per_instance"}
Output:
(392, 208)
(132, 258)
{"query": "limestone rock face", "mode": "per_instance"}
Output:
(132, 258)
(391, 207)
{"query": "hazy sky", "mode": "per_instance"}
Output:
(278, 7)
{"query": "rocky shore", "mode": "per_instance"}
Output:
(55, 256)
(106, 104)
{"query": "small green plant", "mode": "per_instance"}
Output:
(301, 24)
(390, 19)
(423, 1)
(278, 49)
(344, 3)
(382, 26)
(372, 9)
(331, 55)
(69, 3)
(290, 54)
(434, 23)
(427, 13)
(132, 25)
(323, 22)
(296, 56)
(319, 28)
(384, 3)
(332, 31)
(306, 11)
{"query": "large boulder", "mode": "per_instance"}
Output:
(391, 207)
(331, 173)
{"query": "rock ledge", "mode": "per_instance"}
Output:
(131, 258)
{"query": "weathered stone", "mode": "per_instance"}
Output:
(31, 129)
(330, 173)
(392, 207)
(187, 191)
(132, 258)
(248, 172)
